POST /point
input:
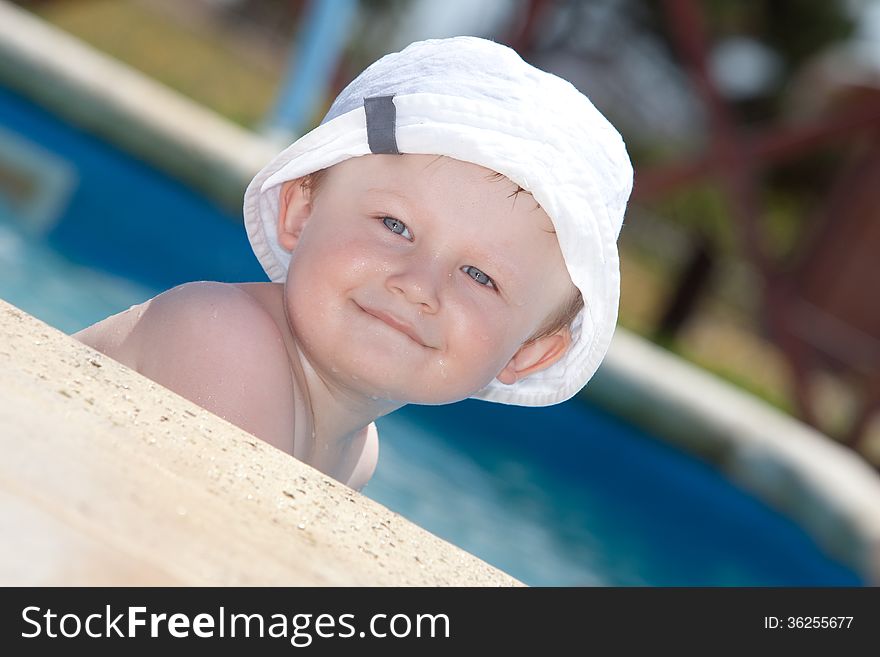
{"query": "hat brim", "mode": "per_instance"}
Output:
(473, 131)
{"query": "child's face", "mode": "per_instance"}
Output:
(417, 278)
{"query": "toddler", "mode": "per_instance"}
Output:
(448, 231)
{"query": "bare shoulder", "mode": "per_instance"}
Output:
(216, 345)
(216, 315)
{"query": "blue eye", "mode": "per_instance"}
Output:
(478, 276)
(396, 226)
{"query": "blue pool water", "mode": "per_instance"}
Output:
(567, 495)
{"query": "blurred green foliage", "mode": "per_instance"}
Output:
(198, 63)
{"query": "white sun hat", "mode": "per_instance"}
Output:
(475, 100)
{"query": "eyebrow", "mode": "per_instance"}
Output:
(390, 192)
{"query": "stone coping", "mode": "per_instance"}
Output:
(111, 479)
(128, 108)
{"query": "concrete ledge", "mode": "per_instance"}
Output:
(110, 479)
(826, 488)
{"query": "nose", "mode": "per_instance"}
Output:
(418, 282)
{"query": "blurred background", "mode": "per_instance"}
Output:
(751, 245)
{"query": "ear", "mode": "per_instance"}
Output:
(535, 356)
(294, 210)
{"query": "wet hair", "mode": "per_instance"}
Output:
(562, 318)
(312, 181)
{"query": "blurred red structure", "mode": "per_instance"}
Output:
(823, 313)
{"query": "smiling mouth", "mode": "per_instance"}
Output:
(394, 323)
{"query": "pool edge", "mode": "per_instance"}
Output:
(828, 489)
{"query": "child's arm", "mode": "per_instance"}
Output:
(213, 344)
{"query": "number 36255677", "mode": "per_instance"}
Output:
(808, 622)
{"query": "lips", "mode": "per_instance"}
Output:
(395, 323)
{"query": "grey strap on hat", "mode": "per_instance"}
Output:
(381, 124)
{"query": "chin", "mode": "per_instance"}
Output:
(406, 391)
(430, 396)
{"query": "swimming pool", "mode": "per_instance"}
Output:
(567, 495)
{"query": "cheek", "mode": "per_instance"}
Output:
(481, 334)
(330, 261)
(311, 279)
(323, 272)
